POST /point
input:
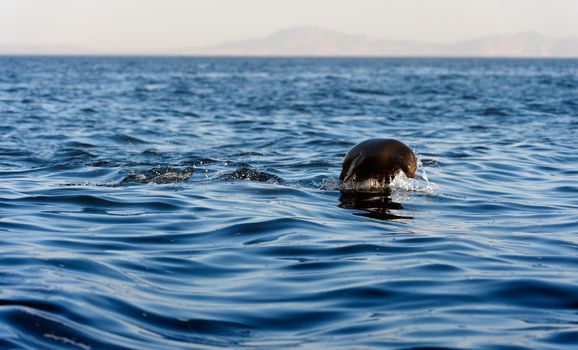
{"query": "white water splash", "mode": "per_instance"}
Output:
(420, 184)
(369, 185)
(400, 183)
(328, 184)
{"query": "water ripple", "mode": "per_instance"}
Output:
(193, 203)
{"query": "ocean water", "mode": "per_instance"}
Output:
(193, 203)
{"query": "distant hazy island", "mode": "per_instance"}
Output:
(316, 41)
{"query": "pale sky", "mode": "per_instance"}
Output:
(145, 25)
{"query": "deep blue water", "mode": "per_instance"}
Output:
(193, 203)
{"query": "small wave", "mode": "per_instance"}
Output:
(163, 175)
(95, 201)
(245, 172)
(127, 139)
(369, 92)
(72, 153)
(198, 162)
(492, 111)
(77, 144)
(14, 152)
(104, 164)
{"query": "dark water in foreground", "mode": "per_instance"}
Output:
(193, 204)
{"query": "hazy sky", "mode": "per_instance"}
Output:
(132, 25)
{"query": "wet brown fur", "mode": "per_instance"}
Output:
(379, 159)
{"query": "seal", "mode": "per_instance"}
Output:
(377, 160)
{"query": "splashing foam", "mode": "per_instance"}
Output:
(400, 183)
(328, 184)
(420, 184)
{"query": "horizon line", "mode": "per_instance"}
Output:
(129, 55)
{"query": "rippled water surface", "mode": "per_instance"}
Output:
(193, 203)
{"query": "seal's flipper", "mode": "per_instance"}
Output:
(353, 167)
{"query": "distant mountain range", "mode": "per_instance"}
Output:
(316, 41)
